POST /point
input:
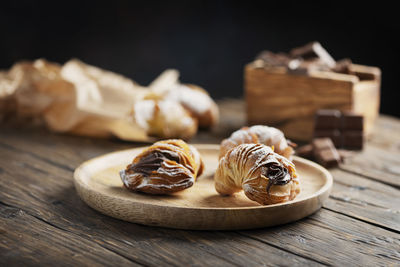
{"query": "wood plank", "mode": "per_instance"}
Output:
(386, 133)
(68, 154)
(380, 159)
(47, 192)
(365, 199)
(71, 208)
(377, 164)
(50, 156)
(335, 239)
(38, 243)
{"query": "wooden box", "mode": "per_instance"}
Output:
(289, 101)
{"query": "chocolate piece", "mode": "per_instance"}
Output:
(353, 139)
(328, 158)
(299, 71)
(344, 128)
(314, 64)
(305, 151)
(333, 134)
(352, 121)
(274, 59)
(322, 143)
(313, 50)
(343, 66)
(296, 66)
(327, 119)
(365, 76)
(325, 152)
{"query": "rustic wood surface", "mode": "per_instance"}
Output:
(43, 221)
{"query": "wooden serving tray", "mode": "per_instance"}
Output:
(199, 207)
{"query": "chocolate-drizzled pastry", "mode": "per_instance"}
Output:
(163, 168)
(265, 176)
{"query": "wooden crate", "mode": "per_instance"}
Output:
(289, 101)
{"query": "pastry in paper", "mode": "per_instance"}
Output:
(81, 99)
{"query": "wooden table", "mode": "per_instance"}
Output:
(42, 220)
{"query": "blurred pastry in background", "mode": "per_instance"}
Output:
(164, 119)
(261, 134)
(192, 97)
(81, 99)
(198, 102)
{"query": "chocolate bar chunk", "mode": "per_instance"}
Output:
(314, 50)
(322, 143)
(343, 66)
(353, 139)
(327, 119)
(333, 134)
(305, 151)
(274, 59)
(328, 158)
(325, 152)
(344, 128)
(352, 121)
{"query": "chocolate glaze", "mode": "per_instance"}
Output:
(276, 174)
(152, 161)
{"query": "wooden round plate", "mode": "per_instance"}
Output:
(199, 207)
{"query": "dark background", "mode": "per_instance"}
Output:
(208, 41)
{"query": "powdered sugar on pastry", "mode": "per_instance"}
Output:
(269, 136)
(265, 176)
(195, 100)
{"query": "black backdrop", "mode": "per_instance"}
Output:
(208, 41)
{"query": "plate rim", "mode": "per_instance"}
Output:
(78, 181)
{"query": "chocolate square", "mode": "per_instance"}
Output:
(274, 59)
(328, 158)
(328, 119)
(353, 139)
(312, 51)
(322, 143)
(305, 151)
(352, 121)
(333, 134)
(343, 66)
(325, 152)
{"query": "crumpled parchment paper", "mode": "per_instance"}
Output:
(77, 98)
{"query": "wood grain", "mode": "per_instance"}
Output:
(365, 199)
(36, 178)
(380, 159)
(337, 240)
(39, 243)
(152, 246)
